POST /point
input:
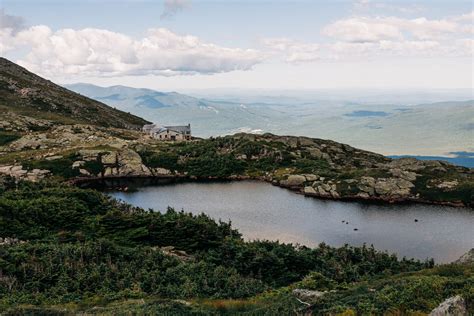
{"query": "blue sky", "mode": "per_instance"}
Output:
(186, 44)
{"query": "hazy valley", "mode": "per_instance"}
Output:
(391, 129)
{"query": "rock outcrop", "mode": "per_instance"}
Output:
(467, 258)
(453, 306)
(17, 172)
(308, 296)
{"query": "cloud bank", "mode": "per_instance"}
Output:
(369, 37)
(104, 53)
(98, 52)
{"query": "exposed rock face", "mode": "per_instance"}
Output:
(308, 295)
(467, 258)
(123, 162)
(130, 163)
(393, 187)
(453, 306)
(17, 172)
(367, 185)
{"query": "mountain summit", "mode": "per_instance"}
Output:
(25, 93)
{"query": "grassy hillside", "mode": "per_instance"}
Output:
(25, 93)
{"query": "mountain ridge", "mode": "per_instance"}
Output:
(26, 93)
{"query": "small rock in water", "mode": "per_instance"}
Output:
(356, 229)
(416, 220)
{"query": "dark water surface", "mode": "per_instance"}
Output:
(262, 211)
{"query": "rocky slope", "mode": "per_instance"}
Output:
(25, 93)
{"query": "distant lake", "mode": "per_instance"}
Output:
(262, 211)
(365, 113)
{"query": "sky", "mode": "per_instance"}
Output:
(245, 44)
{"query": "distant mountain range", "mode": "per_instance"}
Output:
(432, 129)
(207, 117)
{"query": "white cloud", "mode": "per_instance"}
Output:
(293, 51)
(172, 7)
(370, 29)
(468, 17)
(98, 52)
(362, 29)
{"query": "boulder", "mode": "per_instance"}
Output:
(295, 180)
(453, 306)
(311, 177)
(322, 192)
(130, 163)
(326, 187)
(308, 295)
(363, 195)
(77, 164)
(335, 194)
(309, 191)
(84, 172)
(161, 171)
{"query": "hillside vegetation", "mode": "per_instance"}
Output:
(71, 250)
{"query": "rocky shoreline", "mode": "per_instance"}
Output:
(124, 182)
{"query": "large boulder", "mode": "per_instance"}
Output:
(453, 306)
(393, 187)
(295, 180)
(130, 163)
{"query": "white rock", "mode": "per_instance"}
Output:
(453, 306)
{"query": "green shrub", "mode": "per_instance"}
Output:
(8, 137)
